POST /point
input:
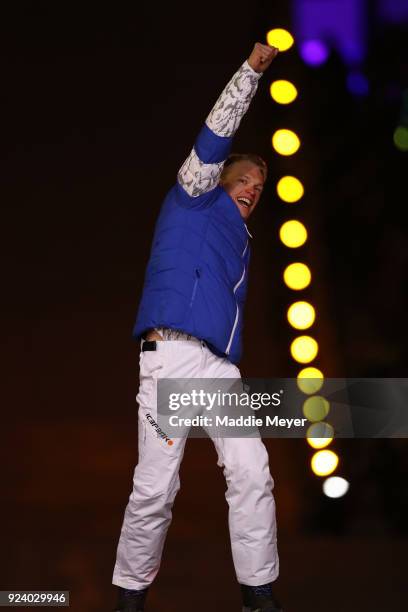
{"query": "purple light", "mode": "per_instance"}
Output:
(394, 11)
(357, 84)
(314, 52)
(342, 24)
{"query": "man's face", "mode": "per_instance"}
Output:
(244, 183)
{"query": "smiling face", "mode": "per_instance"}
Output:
(243, 181)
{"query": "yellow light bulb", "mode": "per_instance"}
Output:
(310, 380)
(324, 462)
(285, 142)
(293, 234)
(320, 435)
(283, 92)
(290, 189)
(316, 408)
(297, 276)
(301, 315)
(304, 349)
(280, 38)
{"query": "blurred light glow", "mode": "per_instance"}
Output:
(316, 408)
(283, 92)
(290, 189)
(335, 487)
(285, 142)
(314, 52)
(297, 276)
(357, 83)
(280, 38)
(324, 462)
(320, 435)
(341, 24)
(293, 234)
(310, 380)
(301, 315)
(401, 138)
(394, 11)
(304, 349)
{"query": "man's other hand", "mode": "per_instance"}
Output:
(262, 57)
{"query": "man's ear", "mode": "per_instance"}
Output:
(223, 178)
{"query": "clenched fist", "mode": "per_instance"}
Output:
(262, 57)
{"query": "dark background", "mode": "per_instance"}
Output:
(100, 106)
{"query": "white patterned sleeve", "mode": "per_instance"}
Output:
(201, 170)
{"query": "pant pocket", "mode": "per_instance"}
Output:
(141, 437)
(151, 362)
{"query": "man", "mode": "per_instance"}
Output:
(190, 323)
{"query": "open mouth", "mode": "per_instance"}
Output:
(244, 202)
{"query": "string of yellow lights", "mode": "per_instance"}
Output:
(297, 276)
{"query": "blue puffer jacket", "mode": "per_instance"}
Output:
(196, 277)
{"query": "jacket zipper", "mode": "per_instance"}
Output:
(227, 350)
(195, 287)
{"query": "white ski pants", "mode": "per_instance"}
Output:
(252, 522)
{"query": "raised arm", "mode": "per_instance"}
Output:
(201, 170)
